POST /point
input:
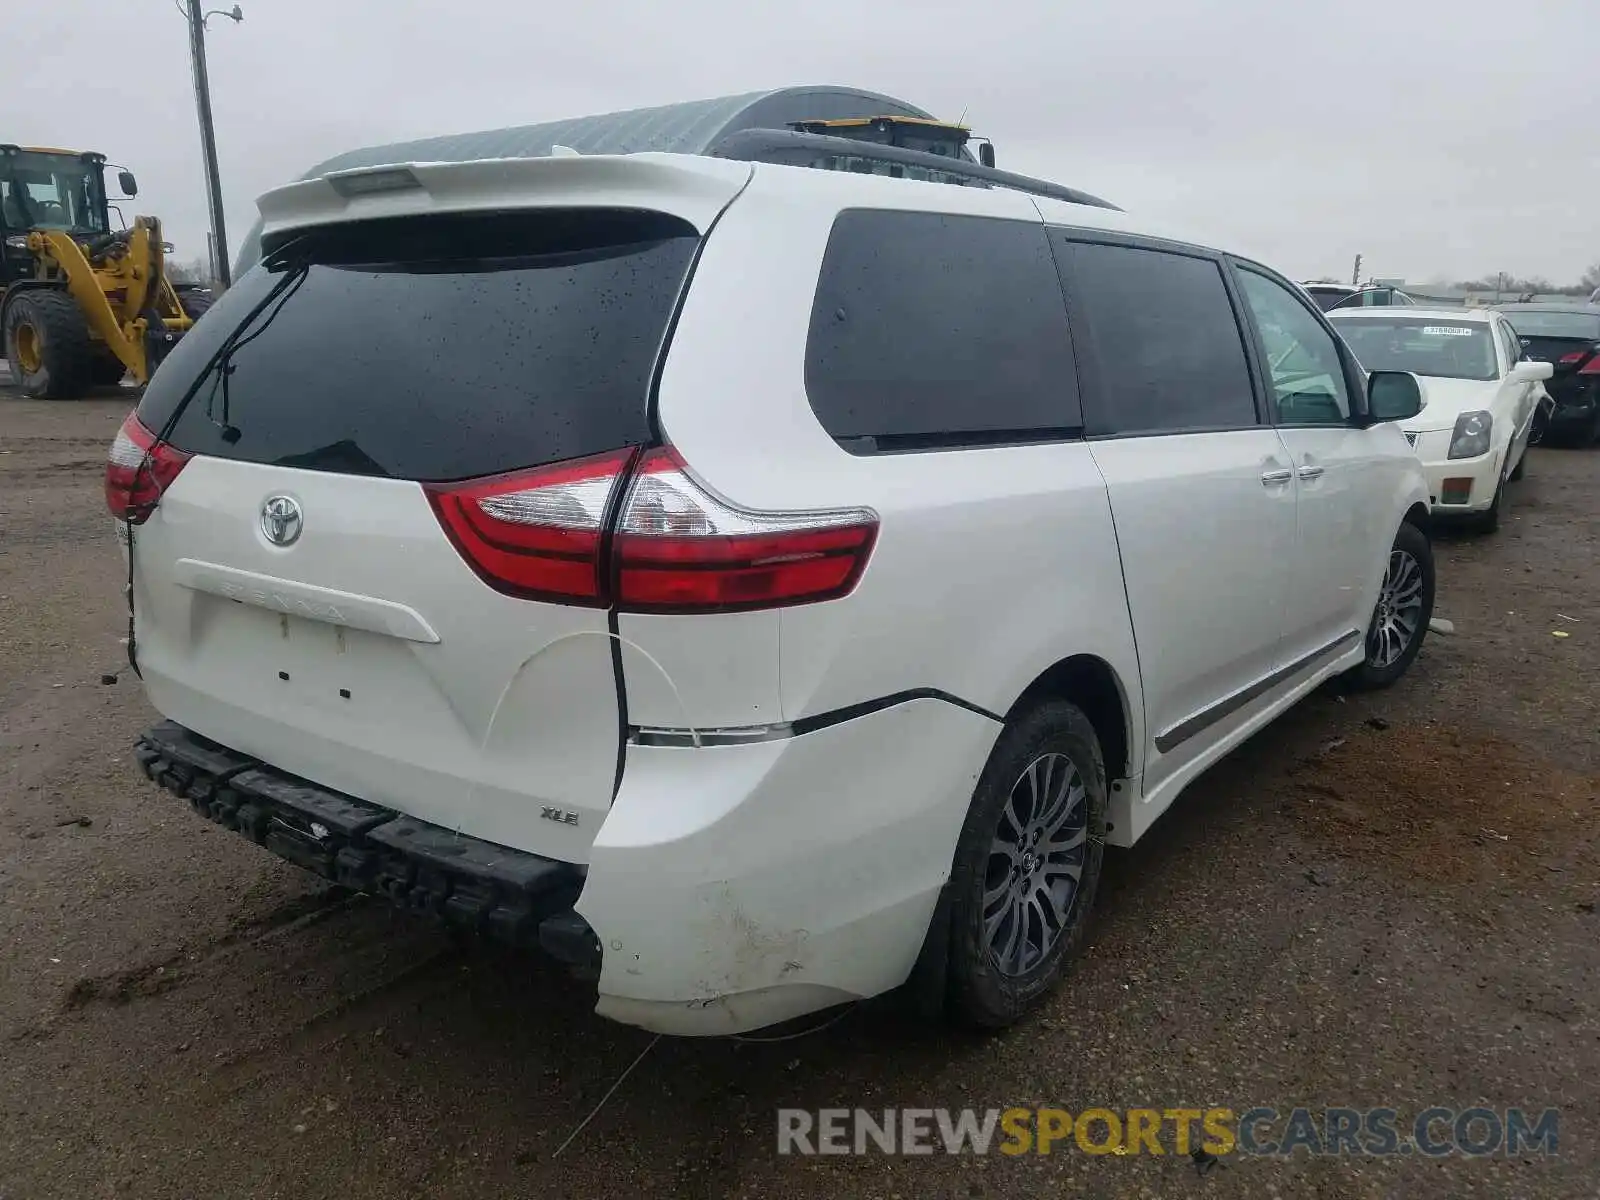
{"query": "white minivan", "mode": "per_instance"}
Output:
(759, 587)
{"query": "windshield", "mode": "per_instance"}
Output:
(1432, 346)
(1531, 323)
(51, 191)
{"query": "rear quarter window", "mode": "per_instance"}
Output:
(437, 348)
(932, 331)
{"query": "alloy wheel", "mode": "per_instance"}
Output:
(1035, 864)
(1399, 614)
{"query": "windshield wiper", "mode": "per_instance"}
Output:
(219, 367)
(221, 371)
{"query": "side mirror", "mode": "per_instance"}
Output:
(986, 155)
(1393, 396)
(1530, 372)
(128, 184)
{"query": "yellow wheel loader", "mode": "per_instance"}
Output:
(81, 305)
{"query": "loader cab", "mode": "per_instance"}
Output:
(47, 189)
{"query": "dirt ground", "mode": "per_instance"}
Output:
(1381, 901)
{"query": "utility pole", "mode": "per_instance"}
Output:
(1355, 273)
(208, 138)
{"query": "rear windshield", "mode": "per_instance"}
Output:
(1326, 297)
(1530, 323)
(1425, 345)
(436, 348)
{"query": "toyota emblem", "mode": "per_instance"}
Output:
(281, 520)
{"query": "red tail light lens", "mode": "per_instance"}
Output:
(675, 546)
(681, 549)
(139, 470)
(535, 534)
(1592, 367)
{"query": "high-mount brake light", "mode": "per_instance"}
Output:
(535, 534)
(139, 469)
(675, 547)
(362, 182)
(679, 548)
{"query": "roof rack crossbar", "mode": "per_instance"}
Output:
(786, 147)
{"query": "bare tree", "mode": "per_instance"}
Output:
(1591, 277)
(192, 271)
(1505, 281)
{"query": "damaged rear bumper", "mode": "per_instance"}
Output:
(511, 896)
(729, 887)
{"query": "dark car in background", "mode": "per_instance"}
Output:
(1330, 296)
(1568, 337)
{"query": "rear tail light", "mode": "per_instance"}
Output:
(675, 547)
(681, 549)
(1577, 356)
(139, 469)
(1592, 367)
(535, 534)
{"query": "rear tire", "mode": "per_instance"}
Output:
(1027, 865)
(1404, 598)
(47, 344)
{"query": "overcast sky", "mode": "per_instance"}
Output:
(1438, 139)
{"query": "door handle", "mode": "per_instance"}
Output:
(1271, 477)
(1310, 472)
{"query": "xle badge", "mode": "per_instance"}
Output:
(562, 815)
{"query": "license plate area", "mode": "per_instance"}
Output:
(296, 660)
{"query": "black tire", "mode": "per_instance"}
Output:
(1488, 521)
(196, 304)
(57, 360)
(108, 369)
(1379, 671)
(982, 991)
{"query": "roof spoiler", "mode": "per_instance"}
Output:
(695, 190)
(789, 148)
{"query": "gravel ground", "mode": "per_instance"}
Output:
(1382, 901)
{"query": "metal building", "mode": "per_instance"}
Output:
(688, 128)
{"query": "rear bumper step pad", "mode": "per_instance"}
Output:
(511, 896)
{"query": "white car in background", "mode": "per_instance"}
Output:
(1479, 398)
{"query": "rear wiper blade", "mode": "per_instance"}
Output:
(219, 365)
(222, 370)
